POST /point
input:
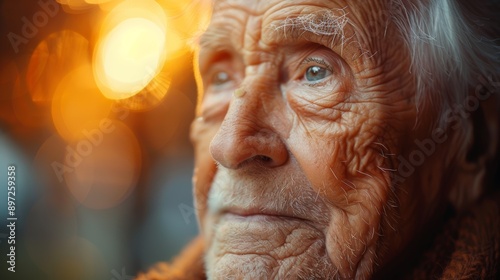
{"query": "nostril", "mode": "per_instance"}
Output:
(264, 158)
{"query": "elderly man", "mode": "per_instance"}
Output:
(346, 139)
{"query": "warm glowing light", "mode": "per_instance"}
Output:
(80, 6)
(74, 6)
(188, 17)
(131, 56)
(26, 112)
(131, 50)
(77, 106)
(99, 1)
(151, 96)
(52, 59)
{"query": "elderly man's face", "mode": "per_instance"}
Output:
(305, 103)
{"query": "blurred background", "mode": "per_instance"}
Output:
(96, 99)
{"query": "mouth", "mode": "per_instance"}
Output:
(258, 215)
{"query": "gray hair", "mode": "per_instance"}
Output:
(452, 46)
(455, 58)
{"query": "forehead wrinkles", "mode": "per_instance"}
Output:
(229, 23)
(224, 29)
(250, 7)
(249, 15)
(300, 21)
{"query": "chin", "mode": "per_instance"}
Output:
(293, 250)
(254, 231)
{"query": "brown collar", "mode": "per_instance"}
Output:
(467, 248)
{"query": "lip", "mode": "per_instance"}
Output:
(253, 214)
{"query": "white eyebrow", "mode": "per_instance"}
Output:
(325, 22)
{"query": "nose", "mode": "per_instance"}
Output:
(246, 136)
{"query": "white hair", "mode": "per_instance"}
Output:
(450, 49)
(455, 55)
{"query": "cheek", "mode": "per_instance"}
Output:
(334, 155)
(317, 160)
(342, 164)
(205, 167)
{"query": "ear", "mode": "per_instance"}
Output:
(475, 164)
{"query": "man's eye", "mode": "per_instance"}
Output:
(316, 73)
(220, 78)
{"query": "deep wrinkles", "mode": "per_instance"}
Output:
(284, 262)
(365, 153)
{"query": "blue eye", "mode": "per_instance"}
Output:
(316, 73)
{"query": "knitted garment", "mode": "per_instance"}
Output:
(467, 248)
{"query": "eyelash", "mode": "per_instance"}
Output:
(307, 61)
(318, 61)
(321, 62)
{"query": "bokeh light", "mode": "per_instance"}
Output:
(150, 96)
(74, 6)
(25, 110)
(131, 49)
(9, 74)
(96, 97)
(52, 59)
(80, 6)
(78, 106)
(100, 2)
(189, 17)
(103, 167)
(131, 57)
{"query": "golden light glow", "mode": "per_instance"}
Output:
(74, 6)
(188, 17)
(151, 96)
(99, 1)
(131, 56)
(26, 112)
(52, 59)
(99, 85)
(80, 6)
(131, 49)
(77, 105)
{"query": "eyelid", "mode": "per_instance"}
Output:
(216, 66)
(211, 59)
(210, 76)
(211, 79)
(317, 60)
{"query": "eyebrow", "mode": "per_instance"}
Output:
(326, 25)
(213, 40)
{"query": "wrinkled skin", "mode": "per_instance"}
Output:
(295, 141)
